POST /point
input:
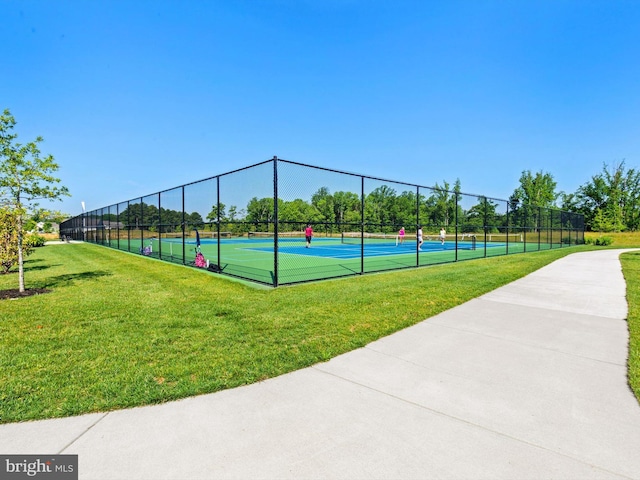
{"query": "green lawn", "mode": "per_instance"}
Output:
(631, 269)
(120, 330)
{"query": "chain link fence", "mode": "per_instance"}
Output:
(282, 222)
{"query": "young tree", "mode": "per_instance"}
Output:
(25, 178)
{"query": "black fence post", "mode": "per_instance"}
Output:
(159, 229)
(539, 225)
(417, 225)
(507, 228)
(275, 220)
(361, 225)
(455, 216)
(525, 222)
(118, 225)
(218, 204)
(183, 227)
(141, 223)
(550, 229)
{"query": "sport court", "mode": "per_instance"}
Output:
(252, 255)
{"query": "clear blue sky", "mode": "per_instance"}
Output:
(134, 97)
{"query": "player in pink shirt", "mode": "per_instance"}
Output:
(308, 233)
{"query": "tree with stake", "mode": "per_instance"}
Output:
(25, 178)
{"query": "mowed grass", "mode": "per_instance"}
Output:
(119, 330)
(631, 269)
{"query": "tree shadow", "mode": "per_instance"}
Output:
(45, 285)
(30, 267)
(36, 268)
(71, 278)
(33, 260)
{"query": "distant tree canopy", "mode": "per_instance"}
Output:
(149, 217)
(385, 210)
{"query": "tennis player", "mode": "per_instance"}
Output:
(401, 236)
(443, 234)
(308, 234)
(420, 241)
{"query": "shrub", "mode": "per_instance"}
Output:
(601, 241)
(9, 241)
(34, 241)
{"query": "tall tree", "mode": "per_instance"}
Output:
(442, 203)
(610, 201)
(535, 191)
(323, 201)
(25, 178)
(380, 206)
(538, 190)
(346, 207)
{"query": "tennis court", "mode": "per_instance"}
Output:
(355, 218)
(253, 255)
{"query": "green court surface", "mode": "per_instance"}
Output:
(327, 257)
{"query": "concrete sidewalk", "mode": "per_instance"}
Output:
(526, 382)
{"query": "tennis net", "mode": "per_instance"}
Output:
(192, 234)
(215, 234)
(270, 235)
(357, 238)
(503, 237)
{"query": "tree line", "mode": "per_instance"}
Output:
(609, 202)
(381, 210)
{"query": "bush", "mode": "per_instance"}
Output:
(9, 241)
(600, 241)
(34, 241)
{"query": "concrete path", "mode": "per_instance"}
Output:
(526, 382)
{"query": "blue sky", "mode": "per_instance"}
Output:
(134, 97)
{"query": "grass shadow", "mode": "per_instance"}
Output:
(33, 260)
(71, 278)
(36, 268)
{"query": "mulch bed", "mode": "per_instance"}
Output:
(16, 293)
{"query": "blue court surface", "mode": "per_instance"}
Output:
(349, 251)
(334, 248)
